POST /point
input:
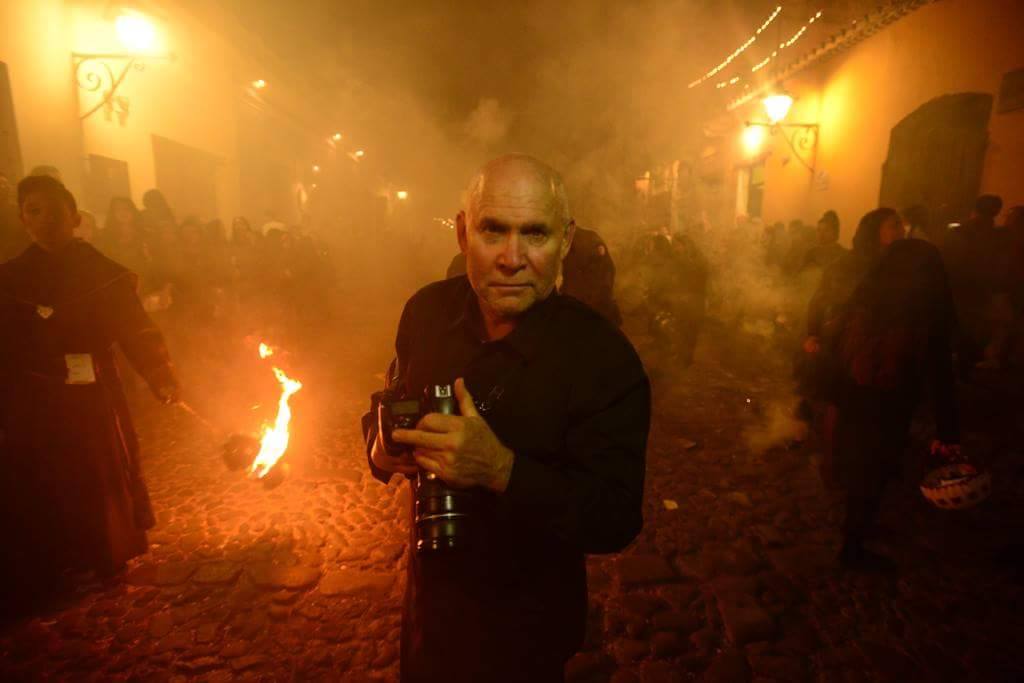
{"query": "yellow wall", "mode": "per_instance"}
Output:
(950, 46)
(194, 99)
(44, 96)
(191, 99)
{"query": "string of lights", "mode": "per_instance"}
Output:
(789, 43)
(738, 51)
(775, 53)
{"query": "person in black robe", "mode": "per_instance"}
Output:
(456, 267)
(588, 275)
(72, 492)
(894, 341)
(814, 364)
(975, 254)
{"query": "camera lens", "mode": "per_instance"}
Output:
(442, 515)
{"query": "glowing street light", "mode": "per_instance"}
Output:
(259, 84)
(136, 32)
(336, 137)
(777, 106)
(359, 153)
(402, 194)
(316, 169)
(753, 138)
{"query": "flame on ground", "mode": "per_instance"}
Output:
(275, 439)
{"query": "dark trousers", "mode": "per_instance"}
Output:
(870, 437)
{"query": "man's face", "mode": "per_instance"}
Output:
(514, 244)
(49, 220)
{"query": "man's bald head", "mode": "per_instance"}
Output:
(513, 179)
(515, 231)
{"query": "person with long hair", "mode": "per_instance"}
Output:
(876, 231)
(122, 238)
(815, 364)
(892, 341)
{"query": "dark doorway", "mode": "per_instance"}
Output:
(936, 156)
(188, 178)
(755, 190)
(107, 178)
(10, 150)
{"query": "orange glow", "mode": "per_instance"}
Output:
(777, 106)
(135, 32)
(259, 84)
(336, 137)
(265, 351)
(275, 439)
(753, 138)
(360, 153)
(402, 194)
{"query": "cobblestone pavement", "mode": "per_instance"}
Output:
(732, 579)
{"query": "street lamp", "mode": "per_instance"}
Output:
(259, 84)
(103, 72)
(336, 137)
(777, 106)
(135, 31)
(804, 137)
(402, 194)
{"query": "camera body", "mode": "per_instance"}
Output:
(443, 516)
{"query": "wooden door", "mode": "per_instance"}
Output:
(188, 178)
(936, 156)
(106, 178)
(10, 150)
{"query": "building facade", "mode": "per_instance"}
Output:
(916, 103)
(125, 98)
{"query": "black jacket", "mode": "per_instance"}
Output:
(566, 392)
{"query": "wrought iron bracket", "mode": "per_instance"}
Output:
(804, 137)
(102, 74)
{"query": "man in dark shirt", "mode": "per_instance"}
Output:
(553, 446)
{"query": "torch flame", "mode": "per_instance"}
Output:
(275, 439)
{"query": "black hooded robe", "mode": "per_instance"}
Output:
(71, 489)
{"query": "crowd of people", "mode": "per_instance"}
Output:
(895, 320)
(196, 278)
(904, 313)
(901, 316)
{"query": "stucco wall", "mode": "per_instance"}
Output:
(34, 44)
(195, 99)
(857, 97)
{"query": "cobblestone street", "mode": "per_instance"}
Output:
(732, 579)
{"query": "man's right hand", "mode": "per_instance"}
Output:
(403, 464)
(812, 345)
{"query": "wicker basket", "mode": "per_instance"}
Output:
(957, 486)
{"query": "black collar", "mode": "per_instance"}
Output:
(528, 336)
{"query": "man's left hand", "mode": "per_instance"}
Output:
(460, 449)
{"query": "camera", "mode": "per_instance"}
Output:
(444, 517)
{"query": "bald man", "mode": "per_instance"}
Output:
(549, 442)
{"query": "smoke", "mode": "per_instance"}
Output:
(488, 124)
(777, 427)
